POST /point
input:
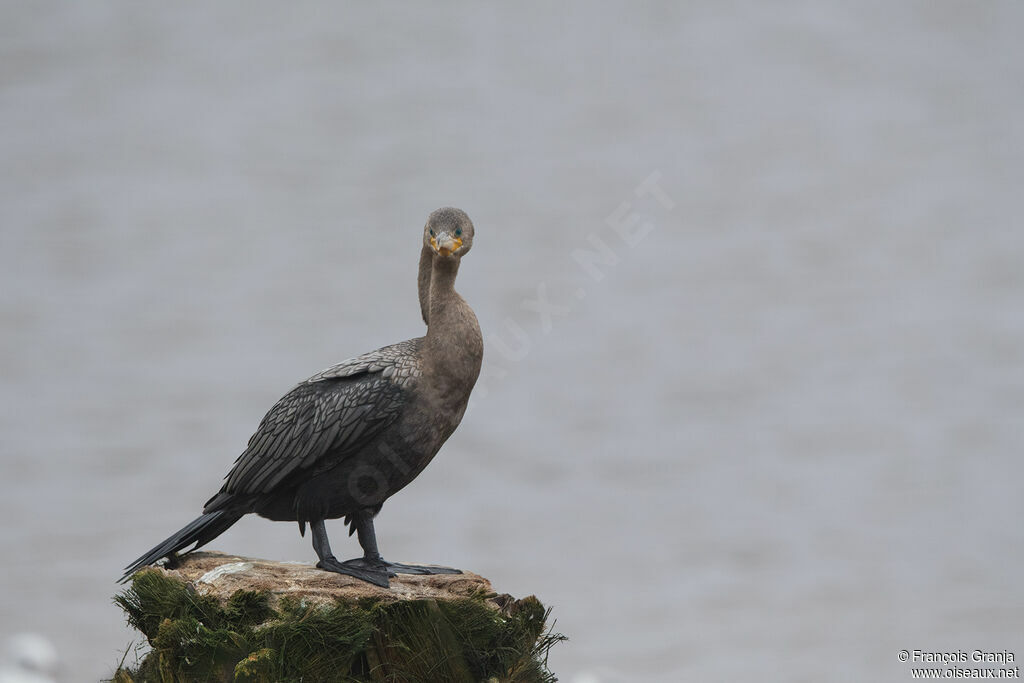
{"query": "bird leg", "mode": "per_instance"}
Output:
(371, 556)
(371, 574)
(371, 567)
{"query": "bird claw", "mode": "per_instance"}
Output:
(396, 568)
(362, 572)
(393, 568)
(377, 570)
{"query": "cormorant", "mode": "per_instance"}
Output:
(343, 441)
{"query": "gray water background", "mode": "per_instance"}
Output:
(779, 439)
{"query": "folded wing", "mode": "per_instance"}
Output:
(321, 421)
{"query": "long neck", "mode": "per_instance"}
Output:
(444, 305)
(455, 346)
(423, 281)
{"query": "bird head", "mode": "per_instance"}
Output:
(449, 233)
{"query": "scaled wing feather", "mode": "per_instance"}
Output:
(334, 413)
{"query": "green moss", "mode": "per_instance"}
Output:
(309, 640)
(194, 637)
(153, 597)
(414, 642)
(258, 667)
(248, 608)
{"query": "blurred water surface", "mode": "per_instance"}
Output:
(779, 438)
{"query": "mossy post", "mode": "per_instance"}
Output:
(221, 618)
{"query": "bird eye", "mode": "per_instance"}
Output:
(431, 233)
(458, 232)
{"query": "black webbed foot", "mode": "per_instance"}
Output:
(378, 570)
(354, 568)
(396, 568)
(371, 567)
(392, 568)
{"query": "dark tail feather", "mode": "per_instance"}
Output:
(200, 531)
